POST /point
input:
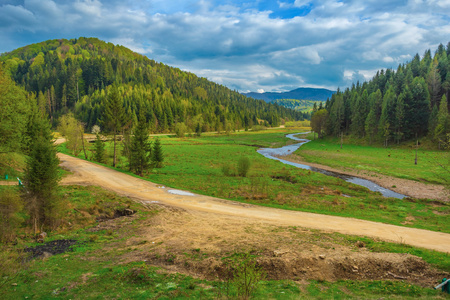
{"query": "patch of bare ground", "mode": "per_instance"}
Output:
(195, 243)
(407, 187)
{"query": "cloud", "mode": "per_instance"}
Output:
(250, 45)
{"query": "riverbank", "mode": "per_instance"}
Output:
(410, 188)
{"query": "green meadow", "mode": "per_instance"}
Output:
(396, 161)
(208, 165)
(95, 267)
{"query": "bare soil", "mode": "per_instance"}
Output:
(192, 235)
(195, 243)
(146, 192)
(407, 187)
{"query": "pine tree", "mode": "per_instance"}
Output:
(114, 115)
(140, 147)
(41, 176)
(443, 122)
(399, 123)
(157, 154)
(99, 146)
(387, 118)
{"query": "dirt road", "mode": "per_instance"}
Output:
(91, 174)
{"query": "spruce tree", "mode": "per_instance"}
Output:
(113, 117)
(99, 146)
(157, 154)
(443, 122)
(140, 149)
(41, 175)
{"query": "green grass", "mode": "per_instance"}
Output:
(393, 161)
(197, 164)
(12, 164)
(95, 269)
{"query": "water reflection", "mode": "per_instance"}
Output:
(274, 153)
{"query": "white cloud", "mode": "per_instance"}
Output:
(89, 7)
(240, 44)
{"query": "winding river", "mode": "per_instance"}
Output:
(275, 153)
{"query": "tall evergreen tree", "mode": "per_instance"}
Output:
(399, 123)
(418, 110)
(113, 117)
(387, 118)
(443, 122)
(41, 175)
(140, 147)
(99, 148)
(157, 154)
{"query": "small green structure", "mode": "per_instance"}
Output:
(6, 176)
(445, 285)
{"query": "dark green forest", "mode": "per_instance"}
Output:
(77, 75)
(396, 105)
(305, 106)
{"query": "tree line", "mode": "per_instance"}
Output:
(76, 75)
(25, 129)
(396, 105)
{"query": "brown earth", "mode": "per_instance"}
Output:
(195, 243)
(88, 173)
(407, 187)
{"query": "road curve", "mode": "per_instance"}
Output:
(88, 173)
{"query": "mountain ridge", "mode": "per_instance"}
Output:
(78, 74)
(302, 93)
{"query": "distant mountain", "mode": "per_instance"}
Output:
(77, 75)
(299, 94)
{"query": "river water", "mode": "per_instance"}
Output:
(275, 153)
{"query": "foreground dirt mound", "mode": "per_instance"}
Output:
(199, 244)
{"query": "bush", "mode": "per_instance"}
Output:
(243, 166)
(10, 206)
(242, 276)
(180, 130)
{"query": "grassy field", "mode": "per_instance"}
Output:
(95, 268)
(393, 161)
(208, 165)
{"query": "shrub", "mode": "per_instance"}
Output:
(243, 166)
(242, 276)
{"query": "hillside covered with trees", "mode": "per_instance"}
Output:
(396, 105)
(77, 75)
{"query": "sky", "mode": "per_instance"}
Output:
(245, 45)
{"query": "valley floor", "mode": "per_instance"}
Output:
(146, 192)
(407, 187)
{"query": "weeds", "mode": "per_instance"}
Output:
(242, 276)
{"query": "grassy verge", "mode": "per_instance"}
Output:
(12, 164)
(393, 161)
(95, 267)
(208, 165)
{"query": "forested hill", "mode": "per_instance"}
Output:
(298, 94)
(77, 75)
(397, 104)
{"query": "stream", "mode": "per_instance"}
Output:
(275, 153)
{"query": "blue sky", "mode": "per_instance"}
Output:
(245, 45)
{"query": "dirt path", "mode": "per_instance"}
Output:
(91, 174)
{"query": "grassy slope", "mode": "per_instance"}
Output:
(196, 164)
(94, 268)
